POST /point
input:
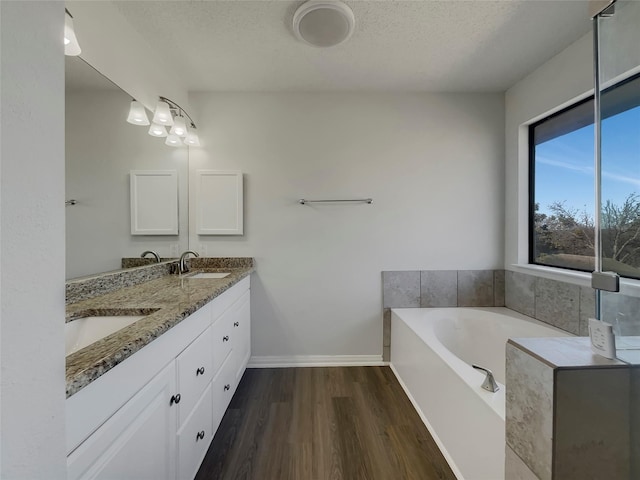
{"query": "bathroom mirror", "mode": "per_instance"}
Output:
(101, 149)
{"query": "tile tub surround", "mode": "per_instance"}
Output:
(175, 298)
(438, 288)
(567, 411)
(562, 304)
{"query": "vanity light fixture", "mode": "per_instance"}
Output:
(192, 137)
(71, 45)
(179, 126)
(137, 114)
(167, 113)
(162, 113)
(156, 130)
(173, 141)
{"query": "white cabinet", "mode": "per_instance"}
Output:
(194, 373)
(162, 428)
(242, 335)
(219, 202)
(195, 436)
(154, 202)
(137, 442)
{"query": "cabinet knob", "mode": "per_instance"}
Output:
(236, 324)
(200, 371)
(175, 399)
(200, 435)
(227, 387)
(225, 338)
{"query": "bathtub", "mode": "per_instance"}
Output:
(432, 350)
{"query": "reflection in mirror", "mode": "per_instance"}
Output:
(101, 150)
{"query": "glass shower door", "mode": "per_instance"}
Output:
(617, 44)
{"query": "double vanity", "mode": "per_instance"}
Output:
(151, 368)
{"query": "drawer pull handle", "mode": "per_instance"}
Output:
(236, 324)
(175, 399)
(227, 387)
(225, 338)
(200, 371)
(200, 435)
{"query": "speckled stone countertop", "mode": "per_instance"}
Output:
(168, 300)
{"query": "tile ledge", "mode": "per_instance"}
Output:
(628, 286)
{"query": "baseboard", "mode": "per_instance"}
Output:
(316, 361)
(443, 450)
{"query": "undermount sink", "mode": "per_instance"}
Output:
(84, 331)
(210, 275)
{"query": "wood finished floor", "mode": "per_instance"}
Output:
(338, 423)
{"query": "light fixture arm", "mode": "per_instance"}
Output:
(174, 106)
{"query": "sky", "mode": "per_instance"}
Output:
(565, 165)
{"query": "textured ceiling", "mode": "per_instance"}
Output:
(419, 45)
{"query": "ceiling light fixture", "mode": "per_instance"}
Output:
(323, 23)
(71, 45)
(167, 113)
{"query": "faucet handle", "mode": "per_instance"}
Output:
(489, 383)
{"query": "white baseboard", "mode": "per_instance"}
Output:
(316, 361)
(423, 417)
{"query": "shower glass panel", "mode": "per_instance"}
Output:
(617, 33)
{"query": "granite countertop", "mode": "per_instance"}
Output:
(168, 300)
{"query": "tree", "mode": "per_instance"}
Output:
(621, 230)
(567, 231)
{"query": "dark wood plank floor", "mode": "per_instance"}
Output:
(340, 423)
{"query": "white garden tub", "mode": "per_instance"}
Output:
(432, 350)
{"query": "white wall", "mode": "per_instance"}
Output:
(32, 392)
(433, 163)
(101, 149)
(558, 83)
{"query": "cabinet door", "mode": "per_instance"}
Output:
(195, 436)
(222, 332)
(195, 371)
(242, 334)
(219, 202)
(223, 386)
(137, 442)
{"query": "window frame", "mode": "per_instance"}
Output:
(531, 183)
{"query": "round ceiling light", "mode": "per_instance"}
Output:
(323, 23)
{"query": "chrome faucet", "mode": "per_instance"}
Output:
(489, 383)
(182, 264)
(147, 252)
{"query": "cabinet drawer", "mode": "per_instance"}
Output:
(194, 437)
(223, 388)
(194, 373)
(222, 331)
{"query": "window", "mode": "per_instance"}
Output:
(562, 192)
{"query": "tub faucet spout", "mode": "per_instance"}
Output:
(489, 383)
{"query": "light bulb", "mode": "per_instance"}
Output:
(162, 114)
(156, 130)
(173, 141)
(179, 127)
(137, 114)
